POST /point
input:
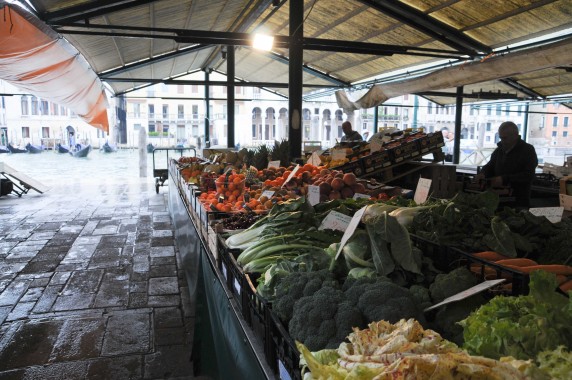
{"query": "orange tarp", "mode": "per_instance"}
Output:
(36, 59)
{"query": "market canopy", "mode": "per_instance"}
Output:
(130, 44)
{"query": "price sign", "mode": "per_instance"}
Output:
(216, 157)
(335, 221)
(354, 223)
(422, 191)
(267, 193)
(375, 145)
(553, 214)
(314, 194)
(291, 175)
(338, 154)
(359, 196)
(228, 169)
(274, 164)
(467, 293)
(315, 159)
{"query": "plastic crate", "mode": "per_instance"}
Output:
(230, 269)
(257, 313)
(443, 258)
(488, 270)
(287, 355)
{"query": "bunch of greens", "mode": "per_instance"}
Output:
(522, 326)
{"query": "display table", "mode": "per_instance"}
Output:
(224, 345)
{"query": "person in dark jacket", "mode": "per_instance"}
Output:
(512, 163)
(349, 133)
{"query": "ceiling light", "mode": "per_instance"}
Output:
(263, 42)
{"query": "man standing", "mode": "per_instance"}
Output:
(349, 133)
(513, 164)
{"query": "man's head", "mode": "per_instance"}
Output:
(508, 134)
(347, 127)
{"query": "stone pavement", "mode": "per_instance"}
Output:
(91, 286)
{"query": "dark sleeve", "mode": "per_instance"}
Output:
(528, 163)
(489, 169)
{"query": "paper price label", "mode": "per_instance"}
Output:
(338, 154)
(314, 194)
(354, 223)
(291, 175)
(360, 196)
(315, 159)
(267, 193)
(335, 221)
(274, 164)
(553, 214)
(422, 191)
(375, 145)
(467, 293)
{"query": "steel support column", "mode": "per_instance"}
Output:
(458, 121)
(230, 61)
(295, 70)
(207, 110)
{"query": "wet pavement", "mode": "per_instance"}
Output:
(90, 283)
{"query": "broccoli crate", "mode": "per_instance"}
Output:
(287, 355)
(257, 313)
(232, 272)
(443, 258)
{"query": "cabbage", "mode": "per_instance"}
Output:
(357, 252)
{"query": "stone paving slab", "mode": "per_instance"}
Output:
(95, 291)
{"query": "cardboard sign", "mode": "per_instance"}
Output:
(274, 164)
(338, 154)
(335, 221)
(553, 214)
(354, 223)
(375, 145)
(315, 159)
(291, 175)
(359, 196)
(422, 191)
(267, 193)
(313, 194)
(467, 293)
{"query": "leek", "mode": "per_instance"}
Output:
(239, 240)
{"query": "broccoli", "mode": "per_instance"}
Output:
(456, 281)
(385, 300)
(448, 316)
(297, 285)
(421, 295)
(324, 319)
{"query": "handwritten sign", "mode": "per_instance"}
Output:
(291, 175)
(360, 196)
(274, 164)
(335, 221)
(422, 191)
(315, 159)
(313, 194)
(467, 293)
(354, 223)
(338, 154)
(553, 214)
(267, 193)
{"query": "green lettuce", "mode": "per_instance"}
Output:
(522, 326)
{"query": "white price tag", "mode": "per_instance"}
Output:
(216, 157)
(313, 194)
(335, 221)
(553, 214)
(359, 196)
(467, 293)
(375, 145)
(354, 223)
(315, 159)
(422, 191)
(291, 175)
(338, 154)
(267, 193)
(237, 286)
(274, 164)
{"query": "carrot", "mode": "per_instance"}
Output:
(521, 262)
(490, 256)
(558, 269)
(566, 286)
(488, 272)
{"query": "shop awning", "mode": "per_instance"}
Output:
(37, 60)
